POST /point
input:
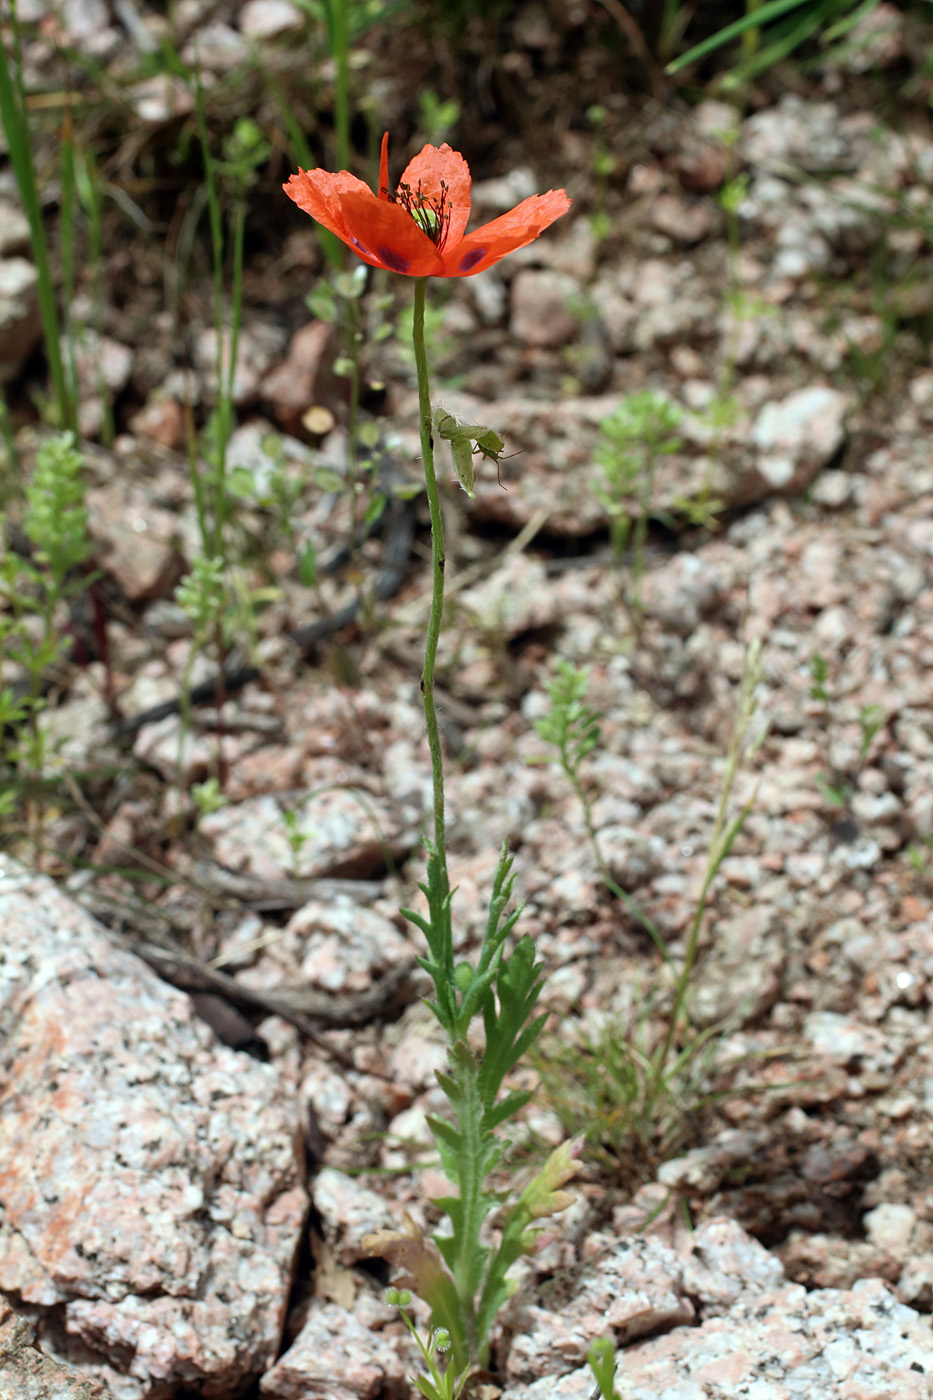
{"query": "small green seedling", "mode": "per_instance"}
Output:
(437, 118)
(601, 1358)
(641, 431)
(207, 796)
(437, 1384)
(55, 522)
(837, 794)
(872, 719)
(295, 835)
(920, 856)
(819, 676)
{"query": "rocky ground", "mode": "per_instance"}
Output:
(157, 1167)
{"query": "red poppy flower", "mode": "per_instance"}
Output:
(420, 230)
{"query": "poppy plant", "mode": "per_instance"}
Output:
(420, 230)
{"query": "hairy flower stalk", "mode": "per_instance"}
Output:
(437, 592)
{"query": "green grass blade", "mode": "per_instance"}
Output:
(16, 129)
(755, 19)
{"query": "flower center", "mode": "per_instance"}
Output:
(431, 215)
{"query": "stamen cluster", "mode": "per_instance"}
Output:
(431, 215)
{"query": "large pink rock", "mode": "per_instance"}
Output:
(150, 1178)
(857, 1344)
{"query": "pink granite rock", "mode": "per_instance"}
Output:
(827, 1345)
(150, 1183)
(25, 1374)
(338, 1356)
(638, 1285)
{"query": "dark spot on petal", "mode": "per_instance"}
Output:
(474, 256)
(393, 260)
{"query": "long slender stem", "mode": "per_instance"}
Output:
(225, 389)
(437, 560)
(226, 362)
(67, 225)
(350, 334)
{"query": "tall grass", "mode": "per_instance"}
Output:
(771, 32)
(15, 121)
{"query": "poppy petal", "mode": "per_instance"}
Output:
(494, 240)
(383, 190)
(384, 235)
(319, 193)
(428, 168)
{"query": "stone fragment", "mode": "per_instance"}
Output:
(344, 948)
(704, 1168)
(340, 834)
(160, 99)
(920, 389)
(633, 1289)
(832, 488)
(305, 377)
(251, 449)
(843, 1040)
(100, 362)
(513, 599)
(20, 328)
(268, 19)
(259, 346)
(702, 166)
(794, 438)
(161, 420)
(725, 1265)
(701, 159)
(502, 193)
(681, 220)
(336, 1356)
(87, 25)
(14, 230)
(889, 1227)
(877, 41)
(796, 132)
(179, 752)
(826, 1261)
(741, 977)
(141, 544)
(217, 47)
(150, 1182)
(638, 1284)
(575, 250)
(632, 857)
(915, 1285)
(349, 1212)
(102, 367)
(541, 308)
(82, 18)
(25, 1374)
(681, 590)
